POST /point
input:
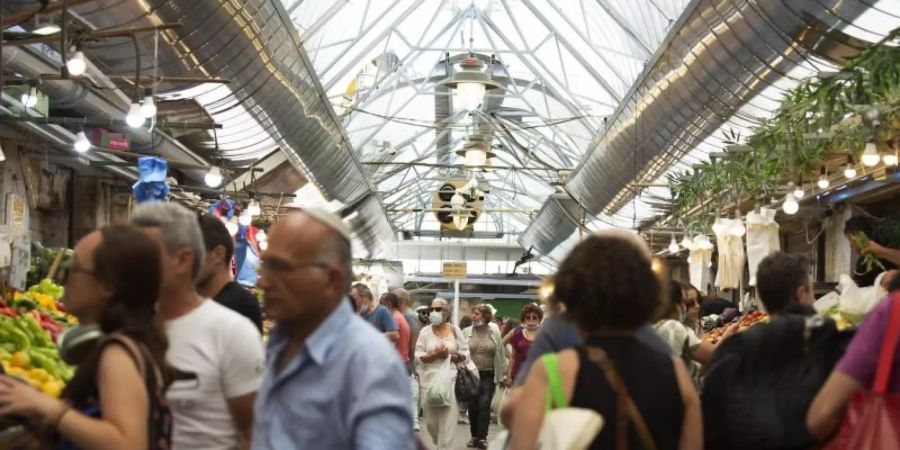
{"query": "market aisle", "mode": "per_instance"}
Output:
(462, 436)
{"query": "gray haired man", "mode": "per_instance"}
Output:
(217, 353)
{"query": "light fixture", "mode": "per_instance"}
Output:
(823, 182)
(719, 227)
(686, 242)
(673, 245)
(476, 153)
(870, 156)
(76, 64)
(253, 208)
(148, 106)
(850, 171)
(44, 25)
(213, 178)
(470, 81)
(82, 144)
(890, 159)
(798, 191)
(30, 97)
(134, 118)
(790, 205)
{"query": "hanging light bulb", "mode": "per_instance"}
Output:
(673, 245)
(30, 97)
(799, 192)
(823, 182)
(148, 106)
(719, 227)
(470, 94)
(82, 144)
(134, 118)
(213, 178)
(890, 159)
(850, 171)
(790, 205)
(76, 64)
(253, 208)
(686, 242)
(870, 156)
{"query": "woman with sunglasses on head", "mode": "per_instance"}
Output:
(439, 342)
(522, 337)
(116, 399)
(692, 298)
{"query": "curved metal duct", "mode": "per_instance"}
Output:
(564, 213)
(253, 44)
(717, 56)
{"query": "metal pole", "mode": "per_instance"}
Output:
(456, 302)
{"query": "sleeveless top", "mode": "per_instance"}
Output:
(159, 421)
(650, 379)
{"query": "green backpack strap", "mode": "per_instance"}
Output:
(556, 395)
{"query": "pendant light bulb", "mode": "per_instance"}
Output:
(890, 159)
(850, 171)
(76, 64)
(870, 156)
(790, 206)
(798, 192)
(134, 118)
(470, 95)
(148, 107)
(30, 98)
(213, 178)
(673, 246)
(82, 144)
(823, 182)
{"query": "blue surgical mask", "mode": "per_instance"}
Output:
(436, 318)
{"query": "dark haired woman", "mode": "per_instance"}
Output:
(116, 399)
(609, 291)
(486, 350)
(522, 337)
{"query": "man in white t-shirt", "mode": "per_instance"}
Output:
(217, 353)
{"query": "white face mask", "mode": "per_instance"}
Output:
(480, 323)
(436, 318)
(532, 326)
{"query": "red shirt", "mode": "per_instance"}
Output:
(402, 343)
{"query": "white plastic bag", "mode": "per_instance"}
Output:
(439, 386)
(858, 301)
(497, 403)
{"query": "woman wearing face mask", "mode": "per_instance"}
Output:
(486, 348)
(522, 337)
(437, 342)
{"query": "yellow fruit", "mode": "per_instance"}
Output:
(40, 375)
(52, 388)
(15, 372)
(34, 383)
(20, 360)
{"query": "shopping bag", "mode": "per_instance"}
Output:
(872, 420)
(440, 386)
(468, 385)
(497, 403)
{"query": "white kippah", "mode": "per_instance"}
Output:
(331, 220)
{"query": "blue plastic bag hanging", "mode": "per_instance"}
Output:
(151, 184)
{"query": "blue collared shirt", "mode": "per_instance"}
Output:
(346, 389)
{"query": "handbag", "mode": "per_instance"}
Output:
(872, 420)
(564, 427)
(468, 384)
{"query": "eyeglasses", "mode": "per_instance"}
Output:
(68, 269)
(438, 308)
(271, 265)
(532, 317)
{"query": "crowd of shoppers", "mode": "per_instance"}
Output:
(181, 363)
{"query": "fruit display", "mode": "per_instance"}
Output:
(744, 322)
(42, 259)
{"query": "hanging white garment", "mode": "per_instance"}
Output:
(762, 238)
(698, 262)
(731, 254)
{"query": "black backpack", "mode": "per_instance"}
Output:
(761, 382)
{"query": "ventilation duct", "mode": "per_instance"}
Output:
(254, 44)
(719, 54)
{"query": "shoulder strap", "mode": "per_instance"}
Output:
(152, 379)
(556, 395)
(888, 347)
(626, 409)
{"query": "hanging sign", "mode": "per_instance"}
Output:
(21, 263)
(454, 270)
(16, 215)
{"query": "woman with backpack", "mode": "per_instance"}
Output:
(609, 290)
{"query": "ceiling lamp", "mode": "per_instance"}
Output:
(82, 144)
(76, 65)
(850, 171)
(44, 25)
(798, 191)
(470, 81)
(870, 156)
(476, 153)
(148, 106)
(213, 178)
(134, 118)
(823, 182)
(890, 159)
(30, 97)
(790, 206)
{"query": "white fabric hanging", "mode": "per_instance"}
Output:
(731, 254)
(699, 261)
(762, 238)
